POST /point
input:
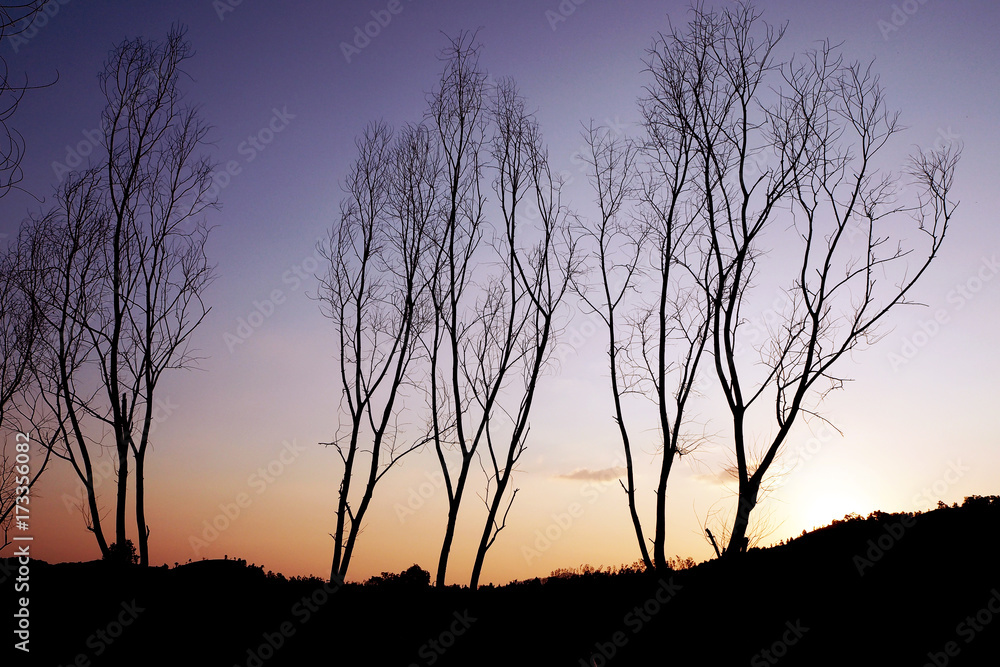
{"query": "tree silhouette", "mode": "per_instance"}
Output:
(375, 294)
(14, 18)
(494, 291)
(655, 346)
(538, 276)
(19, 326)
(799, 137)
(117, 270)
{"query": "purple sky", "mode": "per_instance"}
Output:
(906, 425)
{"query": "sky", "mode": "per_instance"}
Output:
(917, 422)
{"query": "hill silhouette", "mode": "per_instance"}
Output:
(887, 589)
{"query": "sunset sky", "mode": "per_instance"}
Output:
(919, 419)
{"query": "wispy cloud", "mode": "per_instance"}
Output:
(714, 479)
(603, 475)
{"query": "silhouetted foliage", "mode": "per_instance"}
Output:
(414, 577)
(122, 553)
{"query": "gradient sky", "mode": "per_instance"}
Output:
(913, 432)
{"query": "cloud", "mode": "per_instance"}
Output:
(714, 479)
(603, 475)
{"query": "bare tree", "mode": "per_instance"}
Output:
(14, 18)
(60, 254)
(125, 254)
(374, 293)
(19, 325)
(522, 326)
(458, 115)
(19, 330)
(643, 242)
(784, 158)
(493, 290)
(617, 248)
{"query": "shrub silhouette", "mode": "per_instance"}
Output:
(413, 577)
(122, 554)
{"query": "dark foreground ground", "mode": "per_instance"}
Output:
(887, 590)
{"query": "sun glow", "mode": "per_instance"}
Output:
(824, 508)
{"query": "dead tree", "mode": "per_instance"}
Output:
(458, 117)
(14, 19)
(616, 248)
(19, 332)
(493, 288)
(127, 244)
(643, 252)
(61, 255)
(536, 277)
(374, 293)
(784, 158)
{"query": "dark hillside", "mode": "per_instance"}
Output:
(889, 589)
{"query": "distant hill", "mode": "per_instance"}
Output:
(887, 589)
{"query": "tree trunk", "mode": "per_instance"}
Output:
(455, 502)
(122, 433)
(660, 535)
(747, 501)
(140, 509)
(484, 540)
